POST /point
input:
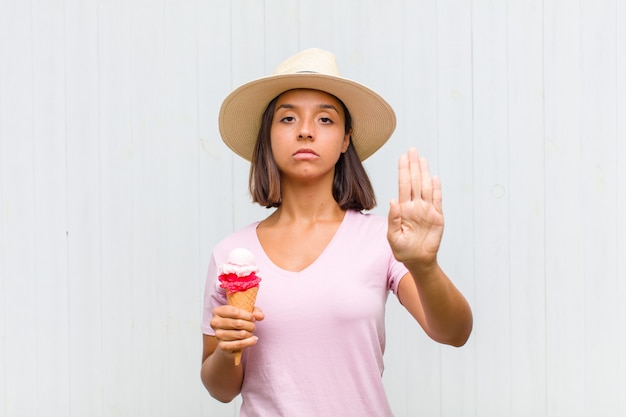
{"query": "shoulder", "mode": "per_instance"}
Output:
(242, 238)
(369, 221)
(364, 227)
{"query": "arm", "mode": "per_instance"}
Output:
(233, 331)
(438, 306)
(414, 233)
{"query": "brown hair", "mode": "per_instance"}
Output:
(352, 188)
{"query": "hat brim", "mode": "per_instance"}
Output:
(373, 119)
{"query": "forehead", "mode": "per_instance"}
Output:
(305, 96)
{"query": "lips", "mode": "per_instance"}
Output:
(305, 152)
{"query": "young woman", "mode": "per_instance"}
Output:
(314, 344)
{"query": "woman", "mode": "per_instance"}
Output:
(314, 344)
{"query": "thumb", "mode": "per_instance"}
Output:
(394, 218)
(258, 313)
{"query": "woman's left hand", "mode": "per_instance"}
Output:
(416, 218)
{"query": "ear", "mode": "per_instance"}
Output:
(346, 141)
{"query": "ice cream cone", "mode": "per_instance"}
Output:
(244, 300)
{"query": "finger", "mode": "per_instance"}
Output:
(231, 318)
(232, 329)
(427, 185)
(229, 311)
(437, 194)
(226, 329)
(404, 179)
(415, 173)
(394, 219)
(232, 346)
(231, 335)
(258, 314)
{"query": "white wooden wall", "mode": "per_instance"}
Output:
(114, 185)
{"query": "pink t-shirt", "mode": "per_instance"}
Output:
(321, 344)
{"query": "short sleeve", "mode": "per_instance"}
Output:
(396, 271)
(214, 296)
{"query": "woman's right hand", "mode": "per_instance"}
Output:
(234, 328)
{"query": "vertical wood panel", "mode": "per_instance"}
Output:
(214, 78)
(492, 334)
(564, 234)
(149, 210)
(282, 26)
(598, 170)
(50, 209)
(526, 206)
(382, 51)
(3, 278)
(316, 24)
(84, 208)
(18, 193)
(182, 210)
(115, 150)
(417, 125)
(349, 28)
(620, 156)
(3, 308)
(455, 153)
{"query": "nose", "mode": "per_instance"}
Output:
(306, 130)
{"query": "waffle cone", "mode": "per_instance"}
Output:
(244, 300)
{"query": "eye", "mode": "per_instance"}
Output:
(326, 120)
(287, 119)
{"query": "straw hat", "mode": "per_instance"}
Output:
(373, 119)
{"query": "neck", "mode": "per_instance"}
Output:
(308, 202)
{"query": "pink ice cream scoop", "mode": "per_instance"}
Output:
(239, 271)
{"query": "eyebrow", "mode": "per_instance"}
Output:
(321, 106)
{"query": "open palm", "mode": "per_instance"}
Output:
(416, 218)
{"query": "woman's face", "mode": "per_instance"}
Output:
(308, 133)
